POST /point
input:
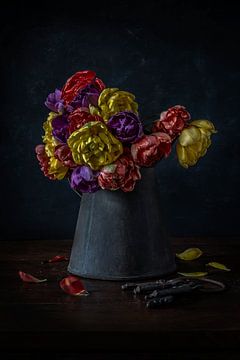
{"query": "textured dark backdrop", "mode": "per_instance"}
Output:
(166, 52)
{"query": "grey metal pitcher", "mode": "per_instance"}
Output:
(121, 236)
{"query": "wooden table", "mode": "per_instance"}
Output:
(110, 323)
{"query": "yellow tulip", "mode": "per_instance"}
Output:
(194, 142)
(94, 145)
(48, 138)
(113, 100)
(94, 110)
(56, 168)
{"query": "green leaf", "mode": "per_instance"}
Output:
(193, 274)
(219, 266)
(190, 254)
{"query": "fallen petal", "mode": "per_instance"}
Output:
(29, 278)
(219, 266)
(193, 274)
(190, 254)
(72, 285)
(57, 258)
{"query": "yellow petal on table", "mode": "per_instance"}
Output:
(219, 266)
(190, 254)
(197, 274)
(190, 136)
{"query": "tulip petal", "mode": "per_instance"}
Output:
(217, 265)
(29, 278)
(197, 147)
(57, 258)
(204, 124)
(205, 132)
(189, 136)
(182, 157)
(196, 274)
(190, 254)
(192, 156)
(72, 285)
(205, 142)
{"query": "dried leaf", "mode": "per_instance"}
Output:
(57, 258)
(196, 274)
(190, 254)
(29, 278)
(219, 266)
(72, 285)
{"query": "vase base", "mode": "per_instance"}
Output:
(124, 277)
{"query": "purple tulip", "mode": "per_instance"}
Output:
(60, 128)
(126, 126)
(88, 95)
(84, 180)
(54, 101)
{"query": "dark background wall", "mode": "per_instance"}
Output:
(166, 53)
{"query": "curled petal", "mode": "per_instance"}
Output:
(217, 265)
(197, 274)
(72, 285)
(57, 258)
(99, 84)
(29, 278)
(190, 254)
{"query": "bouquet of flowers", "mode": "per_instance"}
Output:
(94, 136)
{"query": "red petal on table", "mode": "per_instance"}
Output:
(29, 278)
(72, 285)
(58, 258)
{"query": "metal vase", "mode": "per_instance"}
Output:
(121, 236)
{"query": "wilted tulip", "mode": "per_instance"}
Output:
(194, 142)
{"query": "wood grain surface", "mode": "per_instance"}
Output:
(40, 317)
